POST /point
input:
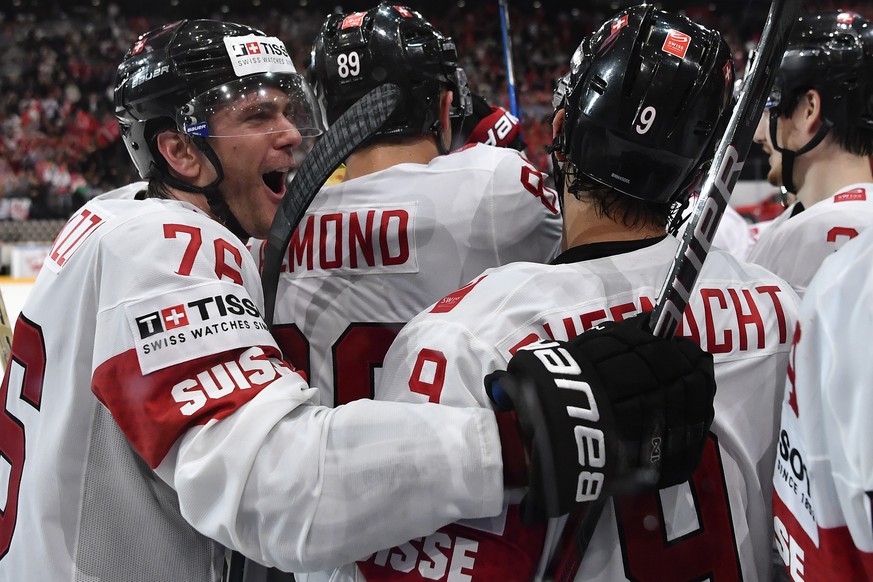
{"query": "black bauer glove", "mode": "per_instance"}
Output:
(614, 411)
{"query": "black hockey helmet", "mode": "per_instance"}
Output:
(178, 75)
(357, 52)
(831, 52)
(646, 99)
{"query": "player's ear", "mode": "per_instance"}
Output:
(182, 156)
(446, 97)
(810, 109)
(557, 127)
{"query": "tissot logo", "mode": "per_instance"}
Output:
(163, 320)
(149, 325)
(174, 317)
(194, 312)
(258, 48)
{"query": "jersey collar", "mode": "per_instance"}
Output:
(604, 249)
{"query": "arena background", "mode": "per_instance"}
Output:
(59, 143)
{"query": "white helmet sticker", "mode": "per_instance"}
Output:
(258, 54)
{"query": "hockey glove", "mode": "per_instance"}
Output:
(614, 411)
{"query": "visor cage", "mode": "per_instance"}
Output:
(254, 105)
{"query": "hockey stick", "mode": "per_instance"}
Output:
(349, 131)
(5, 335)
(730, 155)
(715, 194)
(507, 56)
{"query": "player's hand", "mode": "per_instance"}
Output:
(613, 411)
(498, 128)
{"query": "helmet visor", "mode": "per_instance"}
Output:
(254, 105)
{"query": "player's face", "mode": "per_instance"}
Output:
(762, 137)
(256, 163)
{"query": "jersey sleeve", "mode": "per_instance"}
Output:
(438, 361)
(525, 211)
(795, 248)
(824, 471)
(435, 360)
(192, 376)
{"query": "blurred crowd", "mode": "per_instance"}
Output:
(59, 142)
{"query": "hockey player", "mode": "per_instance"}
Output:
(148, 419)
(774, 174)
(774, 158)
(823, 476)
(410, 222)
(630, 149)
(821, 121)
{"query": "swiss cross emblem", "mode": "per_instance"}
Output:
(174, 317)
(404, 12)
(726, 70)
(353, 20)
(846, 18)
(676, 43)
(253, 48)
(619, 24)
(138, 46)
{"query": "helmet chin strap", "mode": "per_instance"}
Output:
(557, 145)
(217, 204)
(788, 155)
(437, 129)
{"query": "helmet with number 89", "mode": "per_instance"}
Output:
(647, 96)
(357, 52)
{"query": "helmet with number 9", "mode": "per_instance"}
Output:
(647, 97)
(357, 52)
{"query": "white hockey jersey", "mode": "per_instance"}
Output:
(794, 245)
(733, 235)
(824, 469)
(718, 524)
(374, 251)
(145, 393)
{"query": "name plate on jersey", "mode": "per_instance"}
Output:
(791, 478)
(193, 323)
(369, 240)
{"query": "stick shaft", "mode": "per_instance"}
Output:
(715, 194)
(507, 57)
(349, 131)
(724, 171)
